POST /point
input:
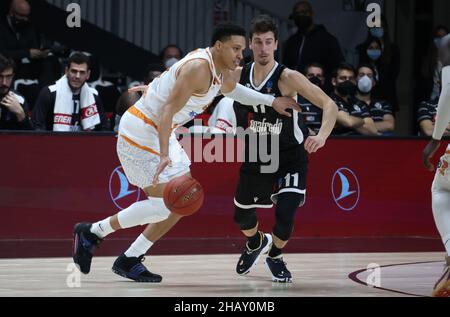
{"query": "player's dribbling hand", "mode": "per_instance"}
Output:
(281, 104)
(428, 154)
(163, 163)
(314, 143)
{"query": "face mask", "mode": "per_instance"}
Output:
(170, 62)
(18, 24)
(365, 85)
(346, 88)
(377, 32)
(374, 54)
(316, 81)
(303, 22)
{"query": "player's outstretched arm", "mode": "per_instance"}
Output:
(194, 77)
(250, 97)
(300, 84)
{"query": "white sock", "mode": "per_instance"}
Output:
(441, 213)
(139, 247)
(102, 228)
(151, 210)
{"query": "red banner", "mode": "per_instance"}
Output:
(355, 188)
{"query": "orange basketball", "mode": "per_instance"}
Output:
(183, 195)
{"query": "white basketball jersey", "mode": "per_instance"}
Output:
(160, 89)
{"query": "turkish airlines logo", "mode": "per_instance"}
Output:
(122, 193)
(345, 189)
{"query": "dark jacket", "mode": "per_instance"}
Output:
(43, 111)
(14, 46)
(8, 120)
(317, 46)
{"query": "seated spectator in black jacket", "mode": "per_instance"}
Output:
(13, 107)
(312, 43)
(427, 117)
(353, 116)
(70, 104)
(380, 111)
(20, 41)
(312, 115)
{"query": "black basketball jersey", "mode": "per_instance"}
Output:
(266, 123)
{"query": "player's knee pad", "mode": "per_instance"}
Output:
(287, 206)
(151, 210)
(245, 218)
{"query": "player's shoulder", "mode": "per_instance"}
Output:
(198, 68)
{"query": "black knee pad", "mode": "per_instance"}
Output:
(245, 218)
(287, 206)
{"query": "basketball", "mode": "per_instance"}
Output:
(183, 195)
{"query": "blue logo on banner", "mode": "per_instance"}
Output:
(345, 189)
(122, 193)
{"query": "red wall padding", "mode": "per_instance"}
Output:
(50, 182)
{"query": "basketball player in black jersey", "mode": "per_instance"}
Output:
(287, 186)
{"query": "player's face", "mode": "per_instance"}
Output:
(77, 74)
(263, 46)
(232, 50)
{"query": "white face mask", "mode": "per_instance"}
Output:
(170, 62)
(365, 84)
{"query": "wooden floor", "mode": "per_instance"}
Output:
(401, 274)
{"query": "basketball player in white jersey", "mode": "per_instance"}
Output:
(441, 184)
(150, 153)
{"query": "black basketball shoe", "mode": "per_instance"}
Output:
(249, 258)
(84, 245)
(133, 269)
(277, 267)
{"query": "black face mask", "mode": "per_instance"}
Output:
(303, 22)
(316, 81)
(346, 88)
(18, 24)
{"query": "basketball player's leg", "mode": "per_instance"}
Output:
(139, 167)
(441, 213)
(290, 195)
(253, 192)
(157, 216)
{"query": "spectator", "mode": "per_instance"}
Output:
(384, 56)
(426, 118)
(312, 115)
(20, 41)
(170, 55)
(128, 99)
(380, 111)
(432, 67)
(13, 107)
(311, 43)
(70, 104)
(353, 117)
